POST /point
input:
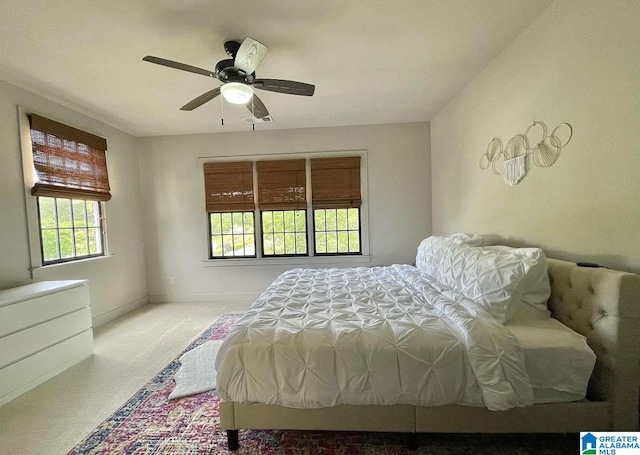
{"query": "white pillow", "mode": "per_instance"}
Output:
(497, 278)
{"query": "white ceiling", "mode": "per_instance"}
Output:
(372, 62)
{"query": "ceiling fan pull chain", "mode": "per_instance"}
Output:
(221, 111)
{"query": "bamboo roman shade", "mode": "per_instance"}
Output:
(282, 185)
(69, 163)
(335, 182)
(229, 186)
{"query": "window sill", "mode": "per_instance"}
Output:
(71, 263)
(309, 261)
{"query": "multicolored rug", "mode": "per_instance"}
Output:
(150, 424)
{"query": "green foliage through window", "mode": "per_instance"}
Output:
(337, 231)
(232, 234)
(284, 232)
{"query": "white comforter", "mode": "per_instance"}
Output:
(369, 336)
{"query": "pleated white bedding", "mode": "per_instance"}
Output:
(370, 336)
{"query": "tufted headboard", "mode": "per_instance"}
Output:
(604, 306)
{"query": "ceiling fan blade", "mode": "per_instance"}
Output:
(199, 101)
(178, 65)
(280, 86)
(249, 55)
(257, 107)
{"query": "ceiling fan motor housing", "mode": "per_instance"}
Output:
(227, 73)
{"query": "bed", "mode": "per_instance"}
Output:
(330, 380)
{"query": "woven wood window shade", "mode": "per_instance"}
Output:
(229, 186)
(282, 185)
(335, 183)
(69, 163)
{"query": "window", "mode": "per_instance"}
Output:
(71, 184)
(229, 202)
(337, 231)
(284, 232)
(232, 234)
(69, 229)
(263, 209)
(335, 185)
(282, 201)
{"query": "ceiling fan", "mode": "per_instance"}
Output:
(238, 78)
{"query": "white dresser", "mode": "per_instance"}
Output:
(45, 328)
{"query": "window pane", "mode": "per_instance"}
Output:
(301, 243)
(216, 223)
(267, 221)
(249, 245)
(47, 212)
(289, 221)
(343, 242)
(278, 222)
(290, 244)
(267, 245)
(278, 246)
(93, 244)
(354, 218)
(50, 244)
(321, 242)
(226, 222)
(248, 223)
(81, 242)
(342, 219)
(64, 213)
(332, 242)
(331, 220)
(238, 222)
(66, 243)
(301, 221)
(93, 214)
(79, 219)
(216, 245)
(319, 220)
(354, 242)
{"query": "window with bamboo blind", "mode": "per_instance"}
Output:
(71, 182)
(229, 199)
(335, 186)
(281, 199)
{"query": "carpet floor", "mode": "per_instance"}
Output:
(149, 424)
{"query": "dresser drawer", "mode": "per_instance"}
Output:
(27, 313)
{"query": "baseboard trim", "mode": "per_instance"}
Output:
(117, 312)
(241, 297)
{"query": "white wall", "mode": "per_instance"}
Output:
(175, 219)
(579, 62)
(117, 283)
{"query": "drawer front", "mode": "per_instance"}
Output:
(34, 311)
(26, 342)
(36, 369)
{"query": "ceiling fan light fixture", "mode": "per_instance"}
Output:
(236, 92)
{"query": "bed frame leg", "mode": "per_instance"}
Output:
(412, 441)
(233, 440)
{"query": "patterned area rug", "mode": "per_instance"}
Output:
(150, 424)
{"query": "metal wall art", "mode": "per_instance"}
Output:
(513, 165)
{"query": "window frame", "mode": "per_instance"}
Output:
(310, 258)
(73, 228)
(348, 253)
(285, 255)
(210, 242)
